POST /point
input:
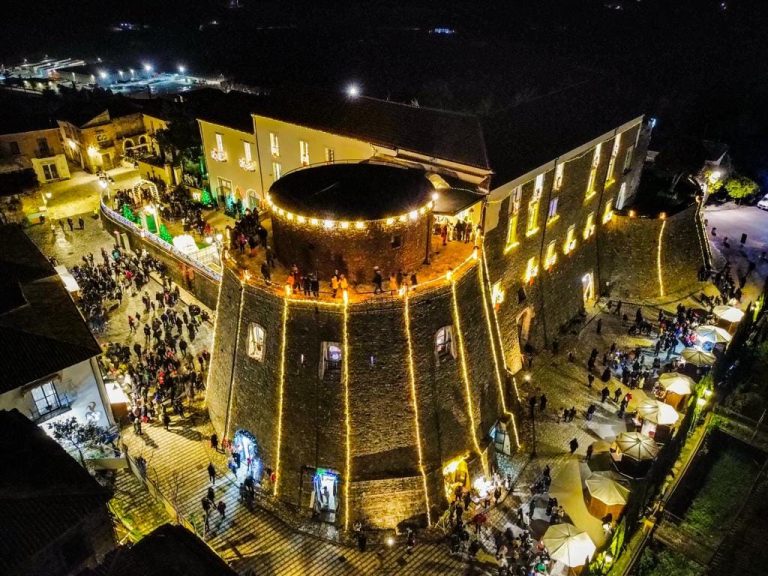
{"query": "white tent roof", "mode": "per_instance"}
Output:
(568, 544)
(713, 334)
(657, 412)
(676, 383)
(637, 446)
(607, 490)
(698, 357)
(728, 313)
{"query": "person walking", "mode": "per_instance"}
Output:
(167, 421)
(590, 380)
(81, 223)
(574, 445)
(222, 508)
(617, 394)
(591, 411)
(604, 394)
(378, 280)
(590, 449)
(71, 224)
(543, 402)
(599, 325)
(212, 473)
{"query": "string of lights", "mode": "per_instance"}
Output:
(347, 422)
(415, 404)
(280, 394)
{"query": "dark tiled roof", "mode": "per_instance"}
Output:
(43, 491)
(47, 333)
(23, 113)
(434, 133)
(168, 551)
(80, 113)
(360, 191)
(530, 134)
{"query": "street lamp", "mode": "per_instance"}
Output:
(182, 69)
(353, 90)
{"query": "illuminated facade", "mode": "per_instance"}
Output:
(368, 396)
(364, 405)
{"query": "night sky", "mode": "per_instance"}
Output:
(696, 64)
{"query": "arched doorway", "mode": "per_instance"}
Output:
(245, 451)
(588, 289)
(524, 326)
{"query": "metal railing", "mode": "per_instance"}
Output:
(160, 243)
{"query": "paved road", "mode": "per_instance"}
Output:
(731, 221)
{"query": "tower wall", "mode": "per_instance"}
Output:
(386, 483)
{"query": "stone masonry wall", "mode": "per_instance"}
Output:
(630, 252)
(383, 439)
(353, 252)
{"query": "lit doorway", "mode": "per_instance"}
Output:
(325, 492)
(500, 438)
(588, 289)
(245, 452)
(456, 477)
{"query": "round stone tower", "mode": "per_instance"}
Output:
(364, 406)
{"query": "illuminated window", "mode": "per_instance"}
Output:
(552, 214)
(247, 152)
(515, 200)
(304, 152)
(274, 144)
(570, 239)
(558, 183)
(628, 158)
(532, 224)
(622, 196)
(589, 229)
(277, 170)
(444, 345)
(497, 294)
(596, 155)
(591, 182)
(330, 155)
(551, 255)
(46, 398)
(612, 162)
(531, 270)
(256, 337)
(219, 142)
(608, 213)
(330, 358)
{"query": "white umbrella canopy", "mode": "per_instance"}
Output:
(728, 313)
(568, 544)
(698, 357)
(713, 334)
(637, 446)
(607, 490)
(657, 412)
(676, 383)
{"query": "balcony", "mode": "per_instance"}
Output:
(247, 165)
(219, 155)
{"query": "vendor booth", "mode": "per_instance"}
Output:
(606, 495)
(676, 389)
(633, 453)
(568, 545)
(656, 419)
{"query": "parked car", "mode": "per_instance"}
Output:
(763, 203)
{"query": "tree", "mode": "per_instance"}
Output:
(739, 187)
(180, 140)
(165, 234)
(81, 436)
